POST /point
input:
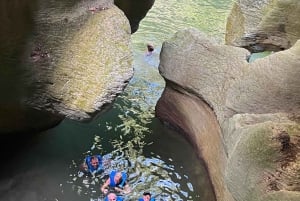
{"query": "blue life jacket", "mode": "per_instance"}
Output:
(112, 180)
(91, 169)
(151, 199)
(118, 198)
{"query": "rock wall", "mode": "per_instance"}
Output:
(135, 10)
(263, 25)
(72, 61)
(88, 59)
(242, 118)
(195, 119)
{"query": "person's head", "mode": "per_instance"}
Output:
(118, 176)
(111, 197)
(94, 161)
(146, 196)
(150, 47)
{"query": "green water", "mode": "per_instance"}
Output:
(157, 159)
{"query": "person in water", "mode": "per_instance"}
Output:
(92, 164)
(150, 49)
(113, 197)
(117, 180)
(146, 197)
(151, 56)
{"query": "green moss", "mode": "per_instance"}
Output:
(259, 148)
(293, 130)
(93, 52)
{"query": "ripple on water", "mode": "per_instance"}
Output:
(162, 176)
(169, 16)
(144, 174)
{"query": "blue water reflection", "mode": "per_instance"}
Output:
(146, 170)
(152, 174)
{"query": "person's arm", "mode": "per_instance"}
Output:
(126, 189)
(83, 167)
(100, 168)
(104, 187)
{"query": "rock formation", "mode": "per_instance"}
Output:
(75, 59)
(242, 118)
(89, 60)
(135, 10)
(263, 25)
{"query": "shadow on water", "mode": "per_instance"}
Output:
(139, 144)
(45, 167)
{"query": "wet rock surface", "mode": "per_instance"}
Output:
(135, 10)
(253, 142)
(73, 62)
(89, 60)
(263, 25)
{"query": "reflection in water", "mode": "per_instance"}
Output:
(152, 173)
(135, 142)
(168, 16)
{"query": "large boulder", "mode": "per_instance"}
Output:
(135, 10)
(264, 24)
(76, 59)
(243, 118)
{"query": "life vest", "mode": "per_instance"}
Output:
(91, 169)
(151, 199)
(112, 180)
(118, 198)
